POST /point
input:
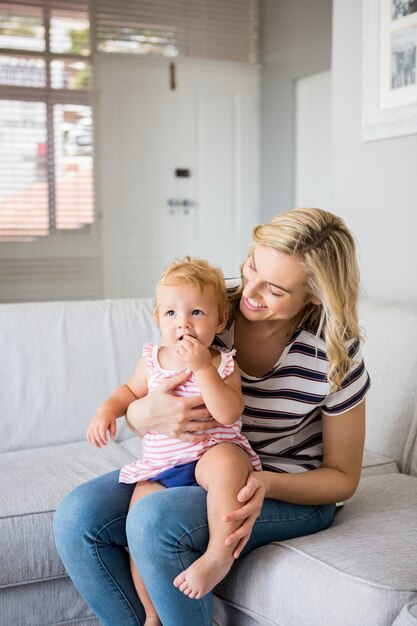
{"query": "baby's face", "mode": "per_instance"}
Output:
(185, 310)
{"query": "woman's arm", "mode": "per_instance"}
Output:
(170, 415)
(338, 477)
(335, 481)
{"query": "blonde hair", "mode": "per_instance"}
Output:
(199, 273)
(326, 249)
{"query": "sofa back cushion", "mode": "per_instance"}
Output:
(59, 361)
(390, 352)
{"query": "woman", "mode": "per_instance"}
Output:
(304, 382)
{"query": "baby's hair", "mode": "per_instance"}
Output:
(195, 272)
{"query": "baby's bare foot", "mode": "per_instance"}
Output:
(203, 575)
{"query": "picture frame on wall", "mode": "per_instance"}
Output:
(389, 69)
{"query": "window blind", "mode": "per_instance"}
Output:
(208, 29)
(46, 149)
(49, 246)
(50, 278)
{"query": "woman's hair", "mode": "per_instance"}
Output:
(326, 249)
(199, 273)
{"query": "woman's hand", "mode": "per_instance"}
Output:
(253, 494)
(171, 415)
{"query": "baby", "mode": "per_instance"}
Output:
(191, 307)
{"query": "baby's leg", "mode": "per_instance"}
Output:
(143, 489)
(222, 471)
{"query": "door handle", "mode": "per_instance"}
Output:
(175, 204)
(187, 204)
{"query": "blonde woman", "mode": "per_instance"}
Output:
(297, 338)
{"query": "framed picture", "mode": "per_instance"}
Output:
(389, 68)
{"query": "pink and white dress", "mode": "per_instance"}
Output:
(161, 452)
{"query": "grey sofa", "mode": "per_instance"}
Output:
(59, 360)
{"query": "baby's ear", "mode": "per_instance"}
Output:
(222, 324)
(155, 312)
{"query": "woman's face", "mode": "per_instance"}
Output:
(275, 286)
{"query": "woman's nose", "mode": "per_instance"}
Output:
(252, 288)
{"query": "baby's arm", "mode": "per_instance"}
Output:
(116, 405)
(222, 397)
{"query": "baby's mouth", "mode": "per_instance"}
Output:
(184, 335)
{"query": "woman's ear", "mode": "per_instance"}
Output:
(315, 301)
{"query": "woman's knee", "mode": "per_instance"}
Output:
(166, 521)
(86, 509)
(73, 518)
(67, 525)
(147, 519)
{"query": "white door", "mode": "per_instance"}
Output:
(313, 167)
(177, 167)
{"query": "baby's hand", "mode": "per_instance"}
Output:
(103, 421)
(195, 356)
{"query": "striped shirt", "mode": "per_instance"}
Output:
(282, 416)
(161, 452)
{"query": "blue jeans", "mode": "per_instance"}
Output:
(166, 531)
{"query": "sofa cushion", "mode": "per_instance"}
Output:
(391, 358)
(408, 616)
(54, 602)
(410, 451)
(33, 483)
(61, 360)
(361, 570)
(374, 464)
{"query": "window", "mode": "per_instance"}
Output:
(226, 30)
(46, 130)
(49, 233)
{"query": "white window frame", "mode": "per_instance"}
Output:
(56, 240)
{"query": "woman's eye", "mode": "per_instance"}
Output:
(272, 293)
(197, 312)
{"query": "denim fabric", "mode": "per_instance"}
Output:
(166, 531)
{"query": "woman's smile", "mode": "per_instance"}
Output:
(253, 305)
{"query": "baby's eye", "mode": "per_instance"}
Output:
(170, 313)
(197, 312)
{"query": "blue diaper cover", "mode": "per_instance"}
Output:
(177, 476)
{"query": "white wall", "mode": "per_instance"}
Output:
(296, 42)
(313, 140)
(374, 183)
(374, 186)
